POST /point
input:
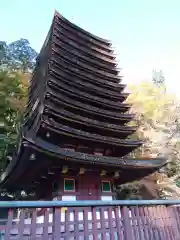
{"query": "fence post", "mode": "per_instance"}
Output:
(128, 234)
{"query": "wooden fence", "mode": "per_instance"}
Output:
(92, 220)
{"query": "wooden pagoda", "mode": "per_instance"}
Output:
(73, 140)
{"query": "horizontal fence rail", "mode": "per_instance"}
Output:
(89, 220)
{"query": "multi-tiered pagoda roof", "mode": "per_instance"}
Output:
(76, 115)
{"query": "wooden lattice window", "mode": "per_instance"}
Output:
(106, 186)
(69, 185)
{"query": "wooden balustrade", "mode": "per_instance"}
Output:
(121, 220)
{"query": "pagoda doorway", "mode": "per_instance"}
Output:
(89, 187)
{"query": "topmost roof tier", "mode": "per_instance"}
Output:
(80, 42)
(83, 33)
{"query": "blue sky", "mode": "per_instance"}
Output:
(145, 33)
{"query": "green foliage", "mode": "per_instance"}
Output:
(13, 92)
(18, 55)
(16, 60)
(2, 51)
(158, 117)
(158, 120)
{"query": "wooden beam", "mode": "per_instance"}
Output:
(103, 173)
(65, 169)
(116, 175)
(36, 182)
(82, 171)
(44, 177)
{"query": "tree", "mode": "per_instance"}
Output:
(158, 121)
(13, 94)
(17, 59)
(2, 50)
(158, 117)
(18, 55)
(3, 53)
